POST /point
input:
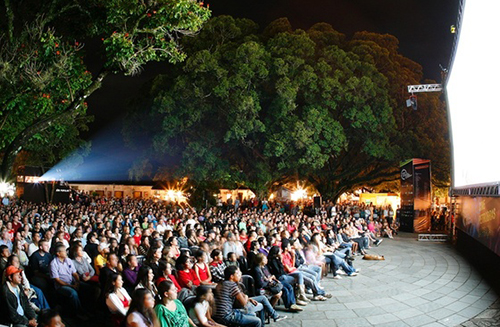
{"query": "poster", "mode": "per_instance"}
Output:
(480, 218)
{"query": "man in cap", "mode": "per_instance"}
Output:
(101, 259)
(19, 310)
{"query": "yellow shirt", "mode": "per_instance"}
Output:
(99, 262)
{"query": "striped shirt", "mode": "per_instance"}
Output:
(225, 296)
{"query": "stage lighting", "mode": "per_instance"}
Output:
(6, 189)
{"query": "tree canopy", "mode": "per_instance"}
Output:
(263, 108)
(44, 79)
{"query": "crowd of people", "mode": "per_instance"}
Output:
(152, 263)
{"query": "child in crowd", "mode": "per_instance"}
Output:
(201, 268)
(232, 260)
(200, 313)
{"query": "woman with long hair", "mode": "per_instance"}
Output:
(153, 258)
(269, 283)
(170, 311)
(166, 273)
(145, 279)
(276, 267)
(185, 272)
(117, 299)
(141, 311)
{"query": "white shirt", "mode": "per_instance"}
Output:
(199, 310)
(114, 303)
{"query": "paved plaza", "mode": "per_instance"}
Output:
(418, 284)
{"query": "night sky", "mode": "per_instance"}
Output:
(422, 27)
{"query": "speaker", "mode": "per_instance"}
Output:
(317, 202)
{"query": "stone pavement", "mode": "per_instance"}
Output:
(419, 284)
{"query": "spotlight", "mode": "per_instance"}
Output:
(6, 189)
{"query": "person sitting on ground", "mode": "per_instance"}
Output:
(141, 311)
(19, 310)
(117, 299)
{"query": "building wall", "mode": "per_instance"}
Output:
(119, 191)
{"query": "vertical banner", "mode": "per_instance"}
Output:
(407, 210)
(422, 195)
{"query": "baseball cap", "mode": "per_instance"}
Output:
(103, 246)
(11, 270)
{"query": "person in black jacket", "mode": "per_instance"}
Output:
(19, 310)
(276, 268)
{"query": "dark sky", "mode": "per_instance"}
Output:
(422, 27)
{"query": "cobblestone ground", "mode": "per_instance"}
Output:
(419, 284)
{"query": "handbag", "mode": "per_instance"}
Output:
(275, 287)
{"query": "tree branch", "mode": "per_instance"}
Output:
(16, 145)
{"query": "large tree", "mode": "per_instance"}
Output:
(43, 77)
(260, 108)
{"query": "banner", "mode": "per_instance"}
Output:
(407, 210)
(422, 196)
(480, 218)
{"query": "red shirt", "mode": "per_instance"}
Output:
(287, 260)
(172, 278)
(203, 272)
(186, 277)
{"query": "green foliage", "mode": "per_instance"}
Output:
(142, 31)
(259, 109)
(44, 79)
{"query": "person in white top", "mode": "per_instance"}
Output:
(200, 313)
(117, 298)
(33, 247)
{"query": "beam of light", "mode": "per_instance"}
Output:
(108, 160)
